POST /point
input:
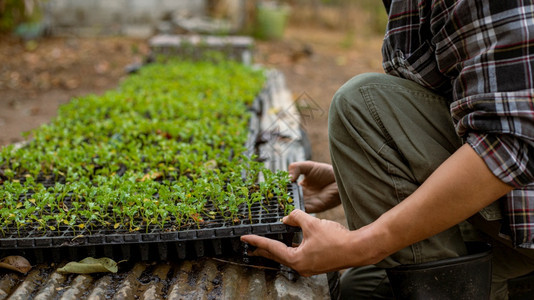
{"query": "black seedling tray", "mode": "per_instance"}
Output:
(213, 237)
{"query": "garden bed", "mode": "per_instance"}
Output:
(168, 157)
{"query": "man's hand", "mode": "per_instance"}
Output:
(319, 185)
(324, 248)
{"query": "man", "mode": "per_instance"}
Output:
(449, 132)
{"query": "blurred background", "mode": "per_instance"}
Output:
(54, 50)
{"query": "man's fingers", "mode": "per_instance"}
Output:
(298, 218)
(297, 168)
(268, 248)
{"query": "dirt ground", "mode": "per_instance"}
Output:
(37, 77)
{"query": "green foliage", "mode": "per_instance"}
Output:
(378, 17)
(160, 149)
(15, 12)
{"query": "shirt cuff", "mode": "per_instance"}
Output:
(506, 157)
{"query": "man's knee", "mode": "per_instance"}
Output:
(350, 92)
(349, 101)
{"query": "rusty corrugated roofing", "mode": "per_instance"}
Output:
(204, 278)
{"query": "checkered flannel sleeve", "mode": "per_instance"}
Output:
(480, 54)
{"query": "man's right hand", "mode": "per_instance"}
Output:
(319, 185)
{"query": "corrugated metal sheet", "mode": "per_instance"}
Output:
(204, 278)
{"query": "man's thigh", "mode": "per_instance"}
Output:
(387, 135)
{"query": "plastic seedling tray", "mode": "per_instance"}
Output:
(121, 164)
(213, 237)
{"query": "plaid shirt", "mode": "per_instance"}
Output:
(479, 54)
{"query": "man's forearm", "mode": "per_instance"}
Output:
(459, 188)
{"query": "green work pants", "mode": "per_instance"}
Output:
(387, 135)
